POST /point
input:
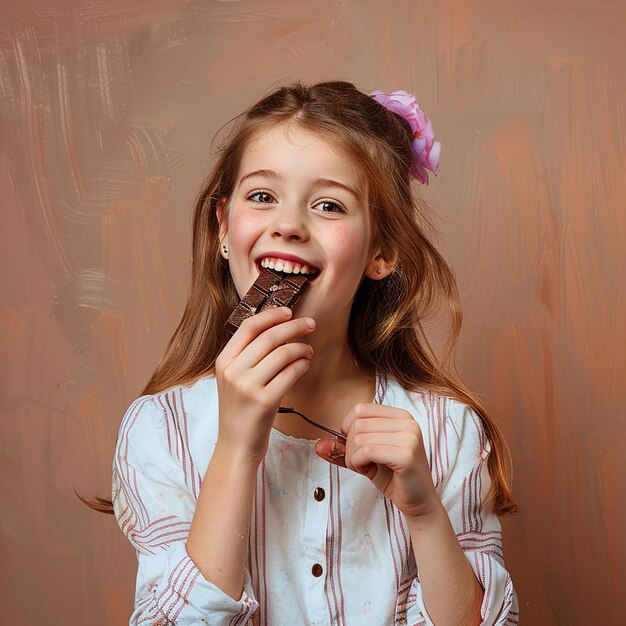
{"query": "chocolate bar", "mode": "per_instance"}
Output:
(271, 289)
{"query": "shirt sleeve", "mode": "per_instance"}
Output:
(478, 530)
(154, 508)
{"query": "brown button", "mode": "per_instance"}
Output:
(317, 570)
(319, 494)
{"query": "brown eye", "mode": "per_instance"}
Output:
(263, 197)
(330, 207)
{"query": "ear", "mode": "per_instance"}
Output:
(379, 267)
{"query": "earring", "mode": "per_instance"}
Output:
(225, 249)
(378, 271)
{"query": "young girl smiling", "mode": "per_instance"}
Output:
(242, 514)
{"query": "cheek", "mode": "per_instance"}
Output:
(242, 235)
(241, 228)
(350, 246)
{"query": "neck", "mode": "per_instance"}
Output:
(332, 368)
(328, 366)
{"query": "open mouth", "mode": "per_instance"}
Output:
(288, 267)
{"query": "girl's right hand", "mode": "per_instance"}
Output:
(254, 371)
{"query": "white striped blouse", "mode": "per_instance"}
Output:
(326, 547)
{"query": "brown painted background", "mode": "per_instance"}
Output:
(107, 112)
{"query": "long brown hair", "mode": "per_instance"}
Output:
(386, 331)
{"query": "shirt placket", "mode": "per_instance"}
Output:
(317, 485)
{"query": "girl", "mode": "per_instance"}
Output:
(241, 514)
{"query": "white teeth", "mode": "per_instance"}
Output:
(291, 267)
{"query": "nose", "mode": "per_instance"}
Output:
(290, 222)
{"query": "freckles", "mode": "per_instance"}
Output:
(350, 237)
(350, 243)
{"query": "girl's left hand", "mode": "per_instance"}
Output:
(385, 444)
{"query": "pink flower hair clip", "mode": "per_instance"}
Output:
(426, 151)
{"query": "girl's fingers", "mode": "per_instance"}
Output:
(361, 451)
(373, 410)
(400, 438)
(277, 361)
(281, 383)
(381, 453)
(332, 450)
(270, 339)
(251, 327)
(365, 449)
(381, 425)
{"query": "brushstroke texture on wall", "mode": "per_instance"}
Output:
(107, 113)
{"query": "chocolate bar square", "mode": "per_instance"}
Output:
(270, 289)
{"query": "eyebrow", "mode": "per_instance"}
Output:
(325, 182)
